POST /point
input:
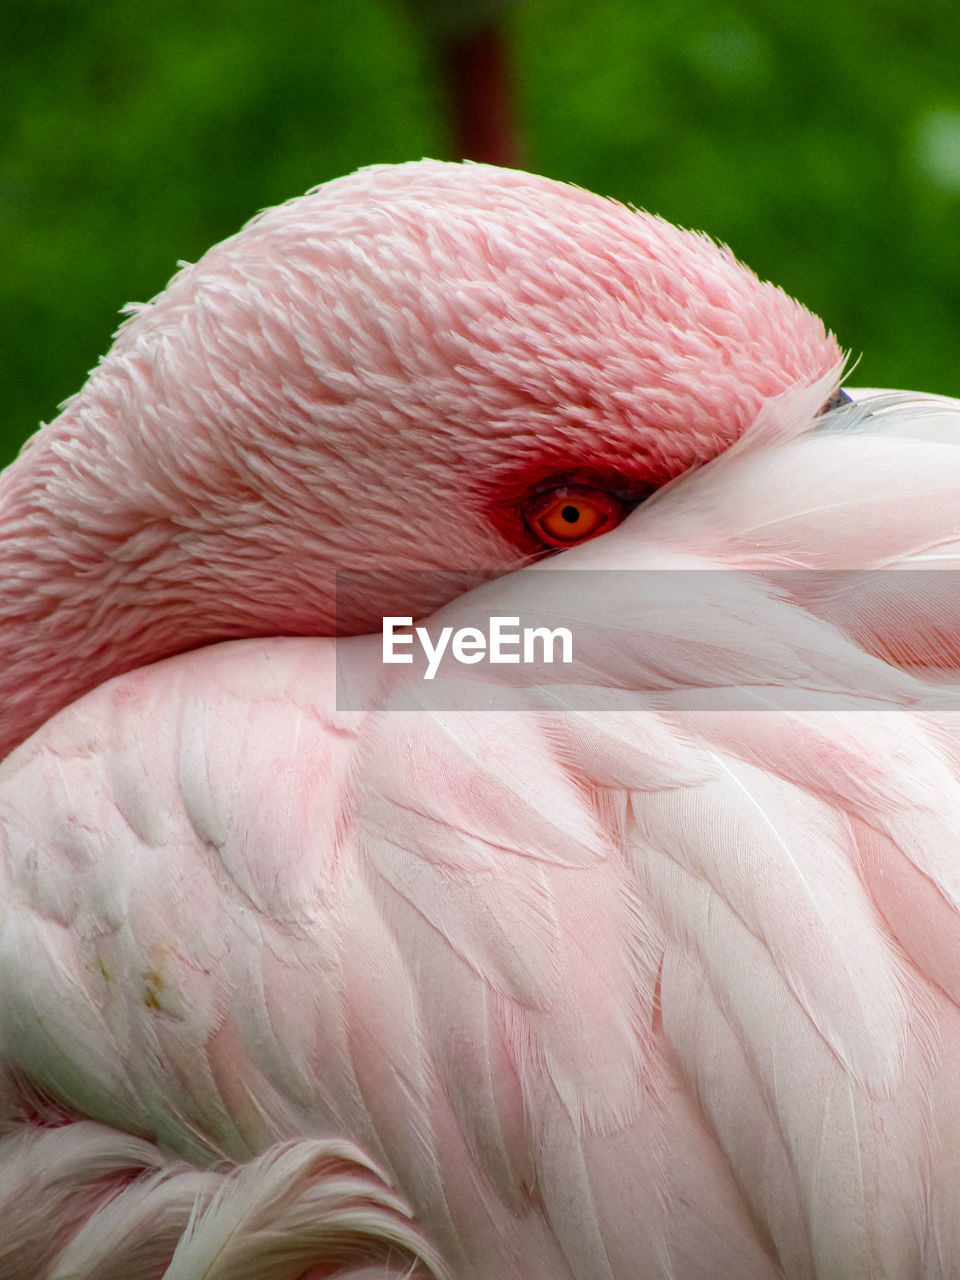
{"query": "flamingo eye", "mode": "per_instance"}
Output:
(573, 514)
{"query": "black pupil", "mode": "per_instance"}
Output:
(570, 514)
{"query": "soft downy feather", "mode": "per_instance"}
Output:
(119, 1209)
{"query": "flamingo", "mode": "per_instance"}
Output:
(640, 968)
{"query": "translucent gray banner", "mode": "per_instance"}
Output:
(664, 639)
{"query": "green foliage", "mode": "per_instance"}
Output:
(821, 140)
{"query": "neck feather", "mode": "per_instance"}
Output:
(92, 587)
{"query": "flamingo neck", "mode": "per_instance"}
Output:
(89, 590)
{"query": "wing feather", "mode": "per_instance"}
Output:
(657, 981)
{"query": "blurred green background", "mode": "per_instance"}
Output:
(819, 138)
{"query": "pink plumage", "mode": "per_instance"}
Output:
(635, 983)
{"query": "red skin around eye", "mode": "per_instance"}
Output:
(517, 497)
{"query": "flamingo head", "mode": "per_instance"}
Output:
(419, 367)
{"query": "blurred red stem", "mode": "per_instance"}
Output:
(477, 73)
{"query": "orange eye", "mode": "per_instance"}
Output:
(573, 514)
